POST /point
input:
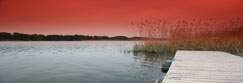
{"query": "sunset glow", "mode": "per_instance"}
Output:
(104, 17)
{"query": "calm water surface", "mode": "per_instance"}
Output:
(77, 62)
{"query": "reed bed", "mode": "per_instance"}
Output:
(195, 34)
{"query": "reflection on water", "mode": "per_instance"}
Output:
(152, 63)
(77, 62)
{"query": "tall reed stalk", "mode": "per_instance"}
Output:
(195, 34)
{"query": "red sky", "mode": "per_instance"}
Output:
(104, 17)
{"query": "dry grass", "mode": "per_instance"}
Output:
(209, 34)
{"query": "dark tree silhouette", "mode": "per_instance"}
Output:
(5, 36)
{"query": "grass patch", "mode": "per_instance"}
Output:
(208, 35)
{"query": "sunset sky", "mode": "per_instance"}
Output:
(104, 17)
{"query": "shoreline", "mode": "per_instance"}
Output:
(66, 40)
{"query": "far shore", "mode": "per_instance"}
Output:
(61, 40)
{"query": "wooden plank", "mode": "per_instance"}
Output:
(205, 67)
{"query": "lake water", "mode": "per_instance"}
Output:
(77, 62)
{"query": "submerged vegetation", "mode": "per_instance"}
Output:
(5, 36)
(195, 34)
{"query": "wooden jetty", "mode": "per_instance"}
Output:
(205, 67)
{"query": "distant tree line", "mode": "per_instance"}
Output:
(5, 36)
